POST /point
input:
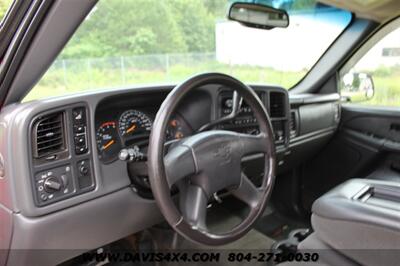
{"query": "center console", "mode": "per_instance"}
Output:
(361, 219)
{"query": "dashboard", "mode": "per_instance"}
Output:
(69, 172)
(123, 124)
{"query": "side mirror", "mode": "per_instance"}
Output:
(357, 87)
(258, 16)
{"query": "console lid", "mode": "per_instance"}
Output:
(361, 219)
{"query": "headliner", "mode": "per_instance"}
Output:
(378, 10)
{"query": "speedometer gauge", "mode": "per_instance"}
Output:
(134, 124)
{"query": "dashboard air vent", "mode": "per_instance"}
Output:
(48, 135)
(277, 104)
(293, 124)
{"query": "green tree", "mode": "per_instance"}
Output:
(196, 25)
(143, 42)
(115, 25)
(133, 27)
(216, 8)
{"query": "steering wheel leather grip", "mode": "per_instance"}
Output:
(207, 162)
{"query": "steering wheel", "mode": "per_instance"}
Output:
(208, 162)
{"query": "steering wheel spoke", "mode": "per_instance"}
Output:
(252, 144)
(193, 203)
(179, 163)
(247, 192)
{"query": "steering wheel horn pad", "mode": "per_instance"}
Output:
(207, 162)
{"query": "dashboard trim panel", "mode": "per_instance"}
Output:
(17, 119)
(112, 196)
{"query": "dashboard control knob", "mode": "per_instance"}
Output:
(123, 155)
(52, 184)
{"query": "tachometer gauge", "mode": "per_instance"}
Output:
(134, 124)
(107, 140)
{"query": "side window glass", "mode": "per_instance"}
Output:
(372, 76)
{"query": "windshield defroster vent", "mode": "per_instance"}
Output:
(48, 135)
(277, 104)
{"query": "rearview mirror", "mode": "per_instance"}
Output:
(258, 16)
(357, 87)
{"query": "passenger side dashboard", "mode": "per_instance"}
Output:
(313, 121)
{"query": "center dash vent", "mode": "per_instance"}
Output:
(48, 135)
(277, 104)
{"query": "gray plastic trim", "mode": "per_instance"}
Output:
(16, 184)
(68, 233)
(6, 230)
(310, 98)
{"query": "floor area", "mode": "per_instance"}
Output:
(269, 229)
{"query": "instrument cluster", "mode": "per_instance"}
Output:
(132, 130)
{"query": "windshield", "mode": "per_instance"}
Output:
(144, 42)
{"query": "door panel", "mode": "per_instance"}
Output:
(379, 125)
(367, 144)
